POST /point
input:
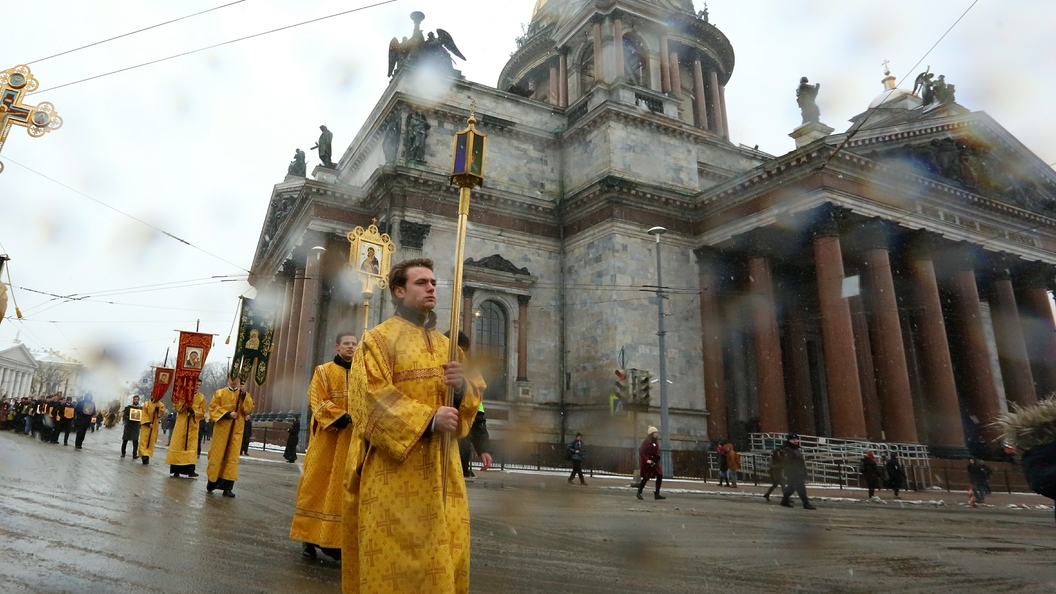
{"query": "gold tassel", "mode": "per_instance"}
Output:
(18, 312)
(232, 328)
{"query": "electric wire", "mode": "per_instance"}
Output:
(119, 211)
(215, 45)
(134, 32)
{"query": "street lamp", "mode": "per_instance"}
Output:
(665, 434)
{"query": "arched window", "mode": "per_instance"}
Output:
(635, 61)
(491, 348)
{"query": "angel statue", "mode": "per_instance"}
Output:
(435, 50)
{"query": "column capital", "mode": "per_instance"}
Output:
(874, 234)
(523, 299)
(1037, 275)
(412, 235)
(468, 292)
(759, 243)
(923, 245)
(828, 221)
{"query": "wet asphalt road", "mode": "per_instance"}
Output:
(89, 521)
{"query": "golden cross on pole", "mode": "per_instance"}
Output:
(38, 120)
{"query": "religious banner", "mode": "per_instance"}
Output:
(256, 333)
(370, 256)
(162, 381)
(190, 358)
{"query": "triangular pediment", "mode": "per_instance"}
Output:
(17, 354)
(970, 152)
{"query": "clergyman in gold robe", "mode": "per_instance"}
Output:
(227, 410)
(317, 520)
(399, 536)
(183, 447)
(153, 413)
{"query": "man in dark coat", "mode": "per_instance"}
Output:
(130, 428)
(247, 434)
(576, 454)
(896, 473)
(649, 463)
(292, 438)
(777, 471)
(83, 418)
(795, 467)
(870, 472)
(978, 476)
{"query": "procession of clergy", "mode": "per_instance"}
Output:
(371, 494)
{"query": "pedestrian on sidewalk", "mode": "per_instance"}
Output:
(575, 454)
(777, 471)
(795, 466)
(733, 464)
(870, 472)
(724, 465)
(978, 474)
(292, 439)
(896, 473)
(1031, 431)
(649, 462)
(84, 417)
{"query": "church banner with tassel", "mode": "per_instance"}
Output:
(162, 381)
(256, 335)
(190, 359)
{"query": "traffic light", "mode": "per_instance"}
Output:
(645, 380)
(621, 383)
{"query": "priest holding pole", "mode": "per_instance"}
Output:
(409, 391)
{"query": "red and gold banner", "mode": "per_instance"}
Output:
(162, 381)
(190, 359)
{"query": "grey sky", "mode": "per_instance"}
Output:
(194, 145)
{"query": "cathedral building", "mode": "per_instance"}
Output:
(890, 282)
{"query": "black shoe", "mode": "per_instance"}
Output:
(766, 496)
(135, 457)
(809, 506)
(146, 460)
(175, 475)
(228, 493)
(210, 487)
(639, 496)
(658, 496)
(308, 552)
(333, 553)
(122, 455)
(470, 475)
(583, 483)
(786, 504)
(570, 481)
(192, 475)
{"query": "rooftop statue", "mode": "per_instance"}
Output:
(298, 166)
(436, 49)
(806, 97)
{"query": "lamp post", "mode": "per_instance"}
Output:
(665, 433)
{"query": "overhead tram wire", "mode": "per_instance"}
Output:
(119, 211)
(216, 45)
(76, 49)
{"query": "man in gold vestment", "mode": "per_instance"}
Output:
(153, 413)
(317, 521)
(182, 455)
(227, 411)
(399, 536)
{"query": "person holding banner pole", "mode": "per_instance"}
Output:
(183, 448)
(153, 412)
(227, 410)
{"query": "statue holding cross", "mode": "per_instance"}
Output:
(38, 120)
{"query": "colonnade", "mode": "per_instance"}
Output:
(15, 383)
(867, 383)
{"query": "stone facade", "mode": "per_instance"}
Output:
(611, 119)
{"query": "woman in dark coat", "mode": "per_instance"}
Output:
(649, 463)
(870, 471)
(896, 473)
(1032, 431)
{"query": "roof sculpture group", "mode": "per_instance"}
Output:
(435, 49)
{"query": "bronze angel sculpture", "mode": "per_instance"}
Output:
(435, 49)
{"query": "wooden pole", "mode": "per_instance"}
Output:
(456, 316)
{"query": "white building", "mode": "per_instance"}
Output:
(17, 367)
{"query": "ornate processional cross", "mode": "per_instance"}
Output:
(38, 120)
